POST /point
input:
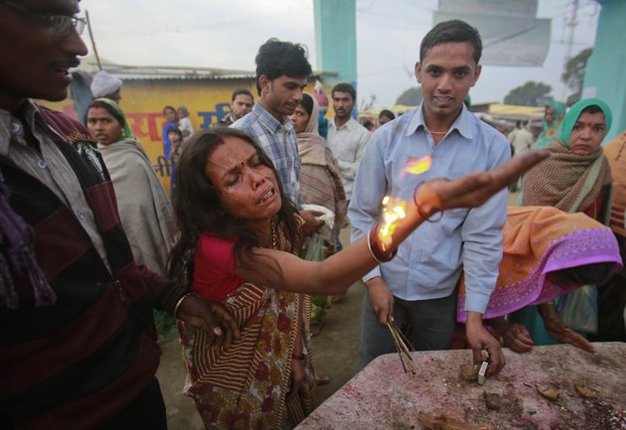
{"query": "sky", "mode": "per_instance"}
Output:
(227, 34)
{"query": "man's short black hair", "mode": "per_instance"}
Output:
(344, 87)
(452, 31)
(277, 58)
(240, 91)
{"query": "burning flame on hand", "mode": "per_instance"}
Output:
(394, 210)
(417, 166)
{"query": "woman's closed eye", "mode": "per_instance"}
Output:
(232, 180)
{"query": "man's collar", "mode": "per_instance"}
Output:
(29, 110)
(462, 123)
(348, 125)
(269, 120)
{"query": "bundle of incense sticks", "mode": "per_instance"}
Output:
(403, 346)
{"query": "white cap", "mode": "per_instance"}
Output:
(104, 84)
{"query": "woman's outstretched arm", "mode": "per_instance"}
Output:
(335, 274)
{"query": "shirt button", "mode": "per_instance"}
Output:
(80, 215)
(42, 164)
(16, 127)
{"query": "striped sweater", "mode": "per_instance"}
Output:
(79, 362)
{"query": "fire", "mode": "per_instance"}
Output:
(394, 210)
(417, 166)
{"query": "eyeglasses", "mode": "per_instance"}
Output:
(55, 25)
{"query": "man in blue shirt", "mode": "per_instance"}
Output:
(418, 287)
(282, 71)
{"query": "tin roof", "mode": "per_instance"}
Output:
(89, 65)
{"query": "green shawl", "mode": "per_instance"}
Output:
(550, 129)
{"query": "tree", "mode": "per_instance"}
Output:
(574, 74)
(410, 97)
(530, 94)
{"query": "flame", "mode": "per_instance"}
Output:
(394, 210)
(417, 166)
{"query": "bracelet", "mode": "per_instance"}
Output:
(180, 302)
(300, 356)
(373, 244)
(418, 205)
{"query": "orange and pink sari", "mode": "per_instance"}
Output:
(537, 241)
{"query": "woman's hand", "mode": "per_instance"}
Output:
(560, 331)
(476, 188)
(311, 223)
(518, 338)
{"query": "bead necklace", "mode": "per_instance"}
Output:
(274, 236)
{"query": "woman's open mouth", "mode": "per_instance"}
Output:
(267, 196)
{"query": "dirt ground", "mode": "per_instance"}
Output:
(335, 353)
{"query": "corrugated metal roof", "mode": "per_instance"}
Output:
(126, 72)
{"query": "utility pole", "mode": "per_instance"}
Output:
(571, 23)
(93, 41)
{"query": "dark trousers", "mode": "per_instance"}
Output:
(145, 413)
(429, 325)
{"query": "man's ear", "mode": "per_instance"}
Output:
(418, 72)
(479, 68)
(264, 83)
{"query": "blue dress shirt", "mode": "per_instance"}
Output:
(429, 262)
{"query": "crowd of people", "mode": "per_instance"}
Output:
(90, 244)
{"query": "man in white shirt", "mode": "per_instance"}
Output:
(346, 137)
(521, 140)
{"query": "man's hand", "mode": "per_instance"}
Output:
(381, 299)
(211, 317)
(476, 188)
(560, 331)
(479, 339)
(311, 224)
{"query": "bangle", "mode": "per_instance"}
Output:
(300, 356)
(373, 244)
(418, 205)
(180, 302)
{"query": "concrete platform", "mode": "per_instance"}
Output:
(382, 396)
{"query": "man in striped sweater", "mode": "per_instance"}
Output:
(77, 342)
